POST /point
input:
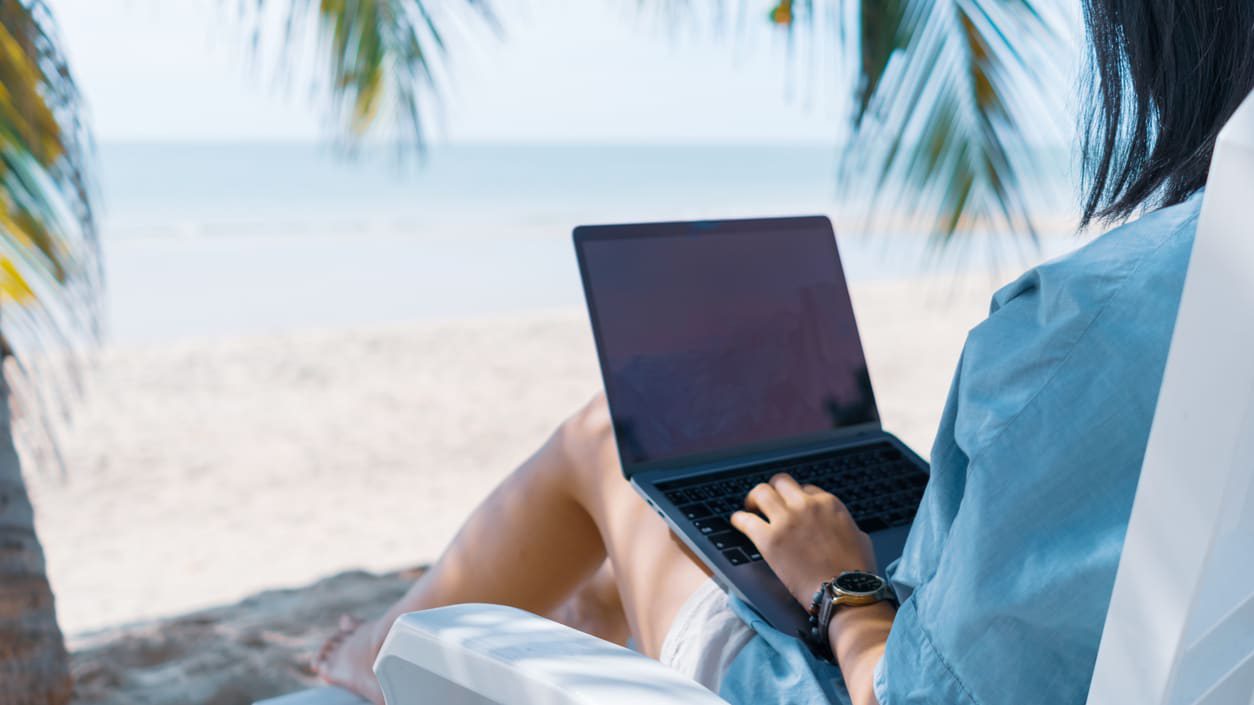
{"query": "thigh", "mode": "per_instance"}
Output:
(655, 573)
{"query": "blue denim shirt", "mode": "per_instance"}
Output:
(1008, 571)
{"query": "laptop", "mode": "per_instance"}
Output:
(729, 353)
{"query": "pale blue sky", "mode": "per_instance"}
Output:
(565, 70)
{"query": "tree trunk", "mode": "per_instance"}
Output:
(34, 666)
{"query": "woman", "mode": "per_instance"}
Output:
(1008, 571)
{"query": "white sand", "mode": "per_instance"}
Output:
(205, 471)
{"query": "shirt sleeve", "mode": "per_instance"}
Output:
(916, 671)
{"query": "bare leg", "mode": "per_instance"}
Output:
(654, 572)
(596, 608)
(569, 500)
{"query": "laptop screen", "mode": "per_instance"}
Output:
(718, 336)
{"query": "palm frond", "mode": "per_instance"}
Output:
(50, 275)
(381, 57)
(947, 96)
(951, 94)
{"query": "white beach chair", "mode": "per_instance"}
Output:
(1181, 625)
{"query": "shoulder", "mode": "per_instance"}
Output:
(1111, 260)
(1074, 316)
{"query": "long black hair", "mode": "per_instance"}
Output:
(1165, 76)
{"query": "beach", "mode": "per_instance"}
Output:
(205, 471)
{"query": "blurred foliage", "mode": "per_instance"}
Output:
(380, 55)
(951, 100)
(49, 254)
(951, 103)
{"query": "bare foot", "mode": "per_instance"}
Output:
(347, 659)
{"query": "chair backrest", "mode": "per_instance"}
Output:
(1181, 622)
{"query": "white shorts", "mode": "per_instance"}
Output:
(705, 637)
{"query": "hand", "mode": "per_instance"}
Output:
(808, 536)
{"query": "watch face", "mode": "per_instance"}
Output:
(859, 583)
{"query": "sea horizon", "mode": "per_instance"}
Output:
(211, 238)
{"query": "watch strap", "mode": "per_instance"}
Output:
(821, 609)
(824, 605)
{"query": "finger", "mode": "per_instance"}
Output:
(840, 504)
(750, 525)
(765, 500)
(816, 491)
(788, 488)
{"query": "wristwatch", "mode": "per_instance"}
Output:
(849, 589)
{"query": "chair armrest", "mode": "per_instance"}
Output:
(479, 654)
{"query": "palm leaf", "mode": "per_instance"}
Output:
(381, 57)
(950, 94)
(50, 275)
(947, 95)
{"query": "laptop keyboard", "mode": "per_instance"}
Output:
(880, 487)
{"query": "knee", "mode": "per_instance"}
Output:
(586, 439)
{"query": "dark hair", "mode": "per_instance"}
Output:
(1166, 75)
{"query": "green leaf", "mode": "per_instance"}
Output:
(947, 120)
(380, 56)
(946, 96)
(50, 275)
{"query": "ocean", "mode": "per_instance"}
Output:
(208, 240)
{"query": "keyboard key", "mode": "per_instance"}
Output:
(712, 525)
(899, 517)
(730, 539)
(735, 556)
(695, 511)
(874, 523)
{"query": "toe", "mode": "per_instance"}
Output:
(347, 625)
(319, 659)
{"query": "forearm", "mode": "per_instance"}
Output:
(807, 535)
(858, 636)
